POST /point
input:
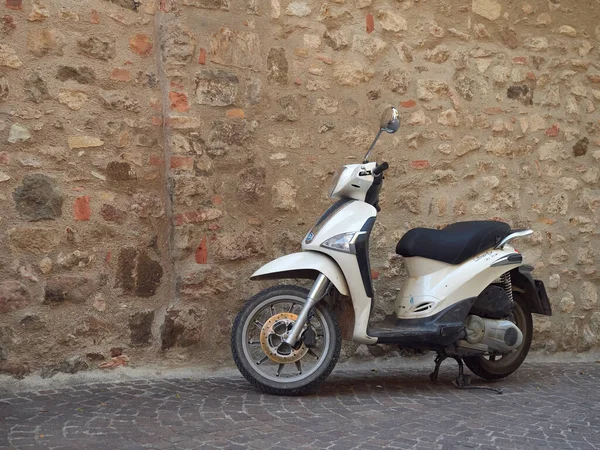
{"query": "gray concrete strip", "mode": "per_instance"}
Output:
(124, 374)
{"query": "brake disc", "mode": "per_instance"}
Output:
(272, 336)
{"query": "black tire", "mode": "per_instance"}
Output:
(507, 364)
(248, 368)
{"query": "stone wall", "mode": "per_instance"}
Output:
(253, 105)
(84, 248)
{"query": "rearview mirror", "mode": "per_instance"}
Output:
(390, 120)
(390, 123)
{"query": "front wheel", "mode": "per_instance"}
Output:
(269, 363)
(495, 367)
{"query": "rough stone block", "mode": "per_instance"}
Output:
(208, 4)
(15, 369)
(4, 88)
(36, 88)
(8, 57)
(112, 214)
(370, 46)
(216, 87)
(199, 216)
(18, 133)
(120, 171)
(251, 183)
(140, 327)
(178, 45)
(138, 274)
(13, 295)
(119, 101)
(298, 9)
(97, 47)
(466, 145)
(235, 246)
(490, 9)
(589, 295)
(428, 90)
(71, 365)
(70, 288)
(552, 151)
(277, 66)
(392, 21)
(38, 198)
(284, 195)
(39, 12)
(290, 107)
(438, 55)
(76, 142)
(581, 146)
(235, 48)
(351, 73)
(224, 134)
(73, 100)
(81, 74)
(182, 328)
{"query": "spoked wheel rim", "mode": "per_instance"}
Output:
(500, 361)
(262, 340)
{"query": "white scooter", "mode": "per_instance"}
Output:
(468, 295)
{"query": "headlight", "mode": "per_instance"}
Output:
(343, 242)
(336, 178)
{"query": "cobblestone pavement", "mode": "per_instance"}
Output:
(544, 406)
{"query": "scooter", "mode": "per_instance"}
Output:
(468, 296)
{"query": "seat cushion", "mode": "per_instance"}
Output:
(455, 243)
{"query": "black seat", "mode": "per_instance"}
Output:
(455, 243)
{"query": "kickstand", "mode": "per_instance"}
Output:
(463, 381)
(439, 359)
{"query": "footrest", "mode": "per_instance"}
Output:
(417, 336)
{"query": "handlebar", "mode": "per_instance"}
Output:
(380, 168)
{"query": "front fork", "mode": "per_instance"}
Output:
(317, 292)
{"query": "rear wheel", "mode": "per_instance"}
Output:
(497, 366)
(262, 356)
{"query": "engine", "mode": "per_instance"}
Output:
(499, 335)
(487, 328)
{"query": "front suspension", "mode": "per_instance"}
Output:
(317, 292)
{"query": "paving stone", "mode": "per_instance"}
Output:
(544, 406)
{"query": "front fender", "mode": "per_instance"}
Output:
(307, 264)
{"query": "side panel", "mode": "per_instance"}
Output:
(446, 284)
(351, 219)
(417, 266)
(362, 256)
(303, 265)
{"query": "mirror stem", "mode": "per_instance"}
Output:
(366, 160)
